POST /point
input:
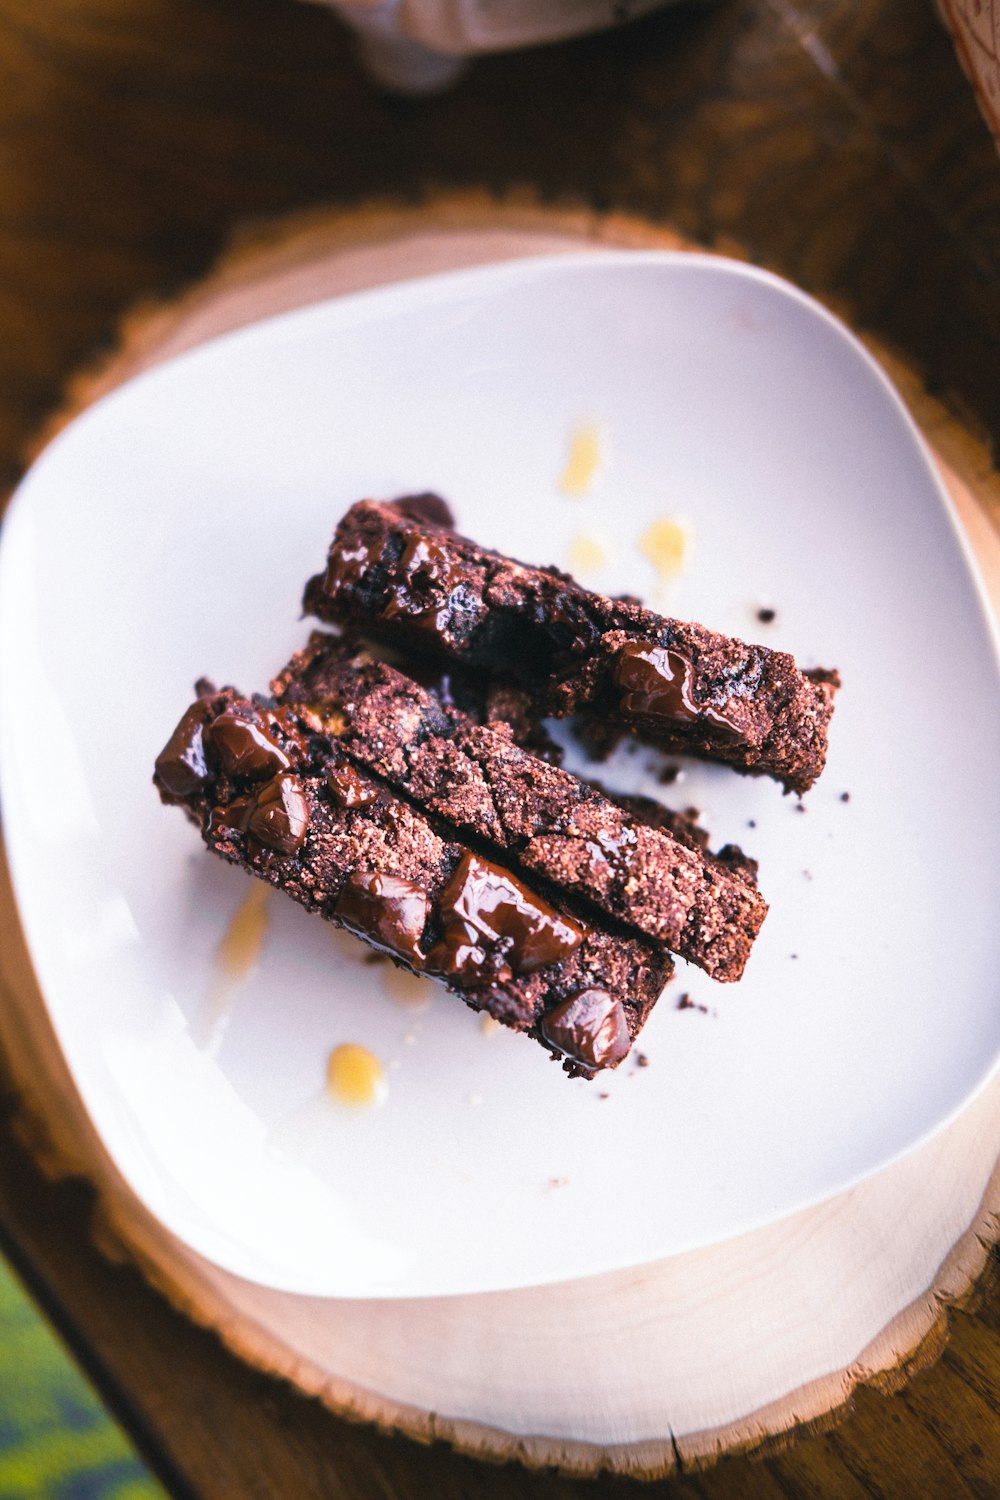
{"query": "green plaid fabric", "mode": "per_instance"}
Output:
(56, 1440)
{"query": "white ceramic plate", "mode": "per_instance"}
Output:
(168, 533)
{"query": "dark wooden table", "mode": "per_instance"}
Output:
(838, 144)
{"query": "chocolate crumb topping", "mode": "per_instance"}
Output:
(590, 1028)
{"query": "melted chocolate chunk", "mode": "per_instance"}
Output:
(656, 683)
(463, 955)
(241, 748)
(590, 1028)
(493, 922)
(423, 591)
(347, 789)
(573, 631)
(180, 766)
(279, 816)
(388, 911)
(234, 815)
(426, 510)
(348, 566)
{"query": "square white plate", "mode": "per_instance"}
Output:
(168, 533)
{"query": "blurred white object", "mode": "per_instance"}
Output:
(420, 46)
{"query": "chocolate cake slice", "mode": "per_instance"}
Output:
(276, 795)
(539, 817)
(399, 574)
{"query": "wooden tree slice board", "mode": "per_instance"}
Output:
(721, 1349)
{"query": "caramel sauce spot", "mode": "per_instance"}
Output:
(586, 555)
(241, 945)
(584, 460)
(667, 545)
(355, 1077)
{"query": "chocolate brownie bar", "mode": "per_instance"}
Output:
(533, 814)
(277, 797)
(398, 574)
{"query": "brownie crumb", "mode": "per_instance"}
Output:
(845, 796)
(669, 775)
(766, 616)
(686, 1003)
(751, 822)
(641, 1060)
(793, 955)
(604, 1096)
(801, 807)
(807, 874)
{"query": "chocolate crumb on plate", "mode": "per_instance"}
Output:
(685, 1002)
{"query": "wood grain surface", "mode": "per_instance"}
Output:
(839, 145)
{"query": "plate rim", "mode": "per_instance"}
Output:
(425, 289)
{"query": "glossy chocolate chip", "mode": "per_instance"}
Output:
(490, 917)
(463, 955)
(656, 683)
(181, 768)
(279, 816)
(241, 748)
(347, 789)
(233, 815)
(391, 913)
(590, 1028)
(574, 630)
